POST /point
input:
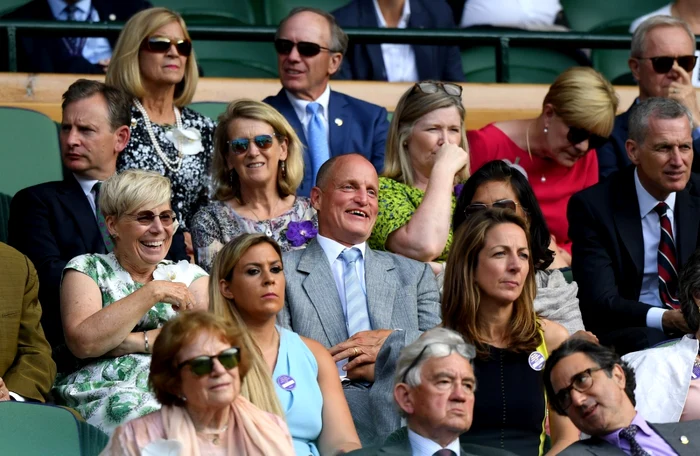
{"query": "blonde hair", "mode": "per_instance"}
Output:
(227, 184)
(125, 192)
(124, 71)
(413, 105)
(257, 387)
(583, 98)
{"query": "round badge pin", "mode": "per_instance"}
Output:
(286, 382)
(536, 360)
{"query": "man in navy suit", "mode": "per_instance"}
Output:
(399, 62)
(310, 48)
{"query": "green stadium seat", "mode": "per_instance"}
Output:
(211, 109)
(238, 10)
(593, 15)
(30, 152)
(276, 10)
(4, 216)
(236, 59)
(612, 63)
(10, 5)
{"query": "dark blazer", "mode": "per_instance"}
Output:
(365, 61)
(355, 126)
(672, 433)
(37, 54)
(608, 248)
(53, 223)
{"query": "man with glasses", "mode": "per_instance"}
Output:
(310, 47)
(591, 385)
(662, 59)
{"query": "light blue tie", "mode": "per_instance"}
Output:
(357, 318)
(317, 140)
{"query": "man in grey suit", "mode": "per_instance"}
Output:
(363, 305)
(434, 388)
(591, 385)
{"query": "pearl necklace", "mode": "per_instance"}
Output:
(172, 165)
(527, 141)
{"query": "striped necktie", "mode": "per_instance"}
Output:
(357, 318)
(317, 140)
(668, 275)
(73, 43)
(101, 219)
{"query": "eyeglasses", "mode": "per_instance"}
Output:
(465, 350)
(240, 146)
(203, 365)
(578, 135)
(582, 382)
(433, 87)
(305, 48)
(664, 64)
(145, 218)
(161, 45)
(502, 204)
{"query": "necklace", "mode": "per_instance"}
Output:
(172, 165)
(268, 229)
(216, 433)
(527, 141)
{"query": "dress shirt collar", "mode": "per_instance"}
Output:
(333, 248)
(57, 7)
(299, 105)
(405, 15)
(85, 184)
(614, 437)
(422, 446)
(647, 203)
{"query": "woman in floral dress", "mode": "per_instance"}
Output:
(258, 165)
(112, 306)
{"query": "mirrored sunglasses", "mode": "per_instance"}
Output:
(240, 146)
(203, 365)
(161, 45)
(145, 218)
(433, 87)
(502, 204)
(663, 64)
(305, 48)
(578, 135)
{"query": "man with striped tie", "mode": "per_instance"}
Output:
(632, 232)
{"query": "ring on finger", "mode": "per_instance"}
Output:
(355, 351)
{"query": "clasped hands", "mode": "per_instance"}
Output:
(4, 392)
(361, 351)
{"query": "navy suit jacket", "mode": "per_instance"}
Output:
(37, 54)
(355, 126)
(365, 61)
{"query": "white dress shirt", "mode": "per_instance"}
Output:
(510, 13)
(399, 59)
(95, 49)
(86, 185)
(299, 106)
(651, 231)
(422, 446)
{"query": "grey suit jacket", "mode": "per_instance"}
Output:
(671, 433)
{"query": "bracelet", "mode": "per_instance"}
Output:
(145, 342)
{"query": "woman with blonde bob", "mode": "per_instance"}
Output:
(426, 157)
(247, 289)
(258, 165)
(488, 298)
(154, 62)
(554, 149)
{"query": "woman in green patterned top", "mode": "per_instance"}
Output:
(427, 156)
(112, 306)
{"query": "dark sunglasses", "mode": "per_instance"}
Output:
(145, 218)
(161, 45)
(433, 87)
(240, 146)
(578, 135)
(502, 204)
(305, 48)
(203, 365)
(664, 64)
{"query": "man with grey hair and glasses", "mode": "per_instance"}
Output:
(434, 388)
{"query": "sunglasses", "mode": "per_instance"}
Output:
(578, 135)
(433, 87)
(304, 48)
(203, 365)
(240, 146)
(161, 45)
(145, 218)
(502, 204)
(664, 64)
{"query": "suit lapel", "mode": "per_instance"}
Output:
(381, 289)
(339, 124)
(628, 220)
(687, 215)
(368, 19)
(75, 203)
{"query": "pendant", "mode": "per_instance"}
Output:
(268, 232)
(215, 440)
(543, 179)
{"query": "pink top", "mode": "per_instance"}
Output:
(552, 183)
(691, 409)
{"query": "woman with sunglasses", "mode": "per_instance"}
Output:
(258, 166)
(489, 292)
(199, 364)
(112, 306)
(578, 113)
(153, 61)
(291, 375)
(426, 157)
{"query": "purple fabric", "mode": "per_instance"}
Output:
(646, 437)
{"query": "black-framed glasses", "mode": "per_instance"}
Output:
(501, 204)
(240, 146)
(582, 382)
(663, 64)
(305, 48)
(203, 365)
(145, 218)
(161, 45)
(578, 135)
(465, 350)
(433, 87)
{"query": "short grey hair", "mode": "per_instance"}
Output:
(657, 108)
(435, 343)
(339, 39)
(639, 37)
(134, 188)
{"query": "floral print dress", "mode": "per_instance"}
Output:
(110, 391)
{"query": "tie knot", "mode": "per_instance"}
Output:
(629, 433)
(661, 209)
(313, 107)
(70, 11)
(350, 255)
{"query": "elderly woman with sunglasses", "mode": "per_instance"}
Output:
(112, 306)
(426, 157)
(153, 61)
(577, 115)
(258, 166)
(199, 364)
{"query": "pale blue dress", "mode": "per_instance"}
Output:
(296, 385)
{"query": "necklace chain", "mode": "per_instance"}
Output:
(268, 230)
(172, 165)
(527, 142)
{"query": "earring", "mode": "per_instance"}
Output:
(283, 167)
(546, 130)
(183, 398)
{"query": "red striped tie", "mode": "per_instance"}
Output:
(668, 275)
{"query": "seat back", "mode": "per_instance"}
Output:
(211, 109)
(589, 15)
(237, 59)
(242, 10)
(276, 10)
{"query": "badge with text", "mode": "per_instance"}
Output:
(536, 360)
(286, 382)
